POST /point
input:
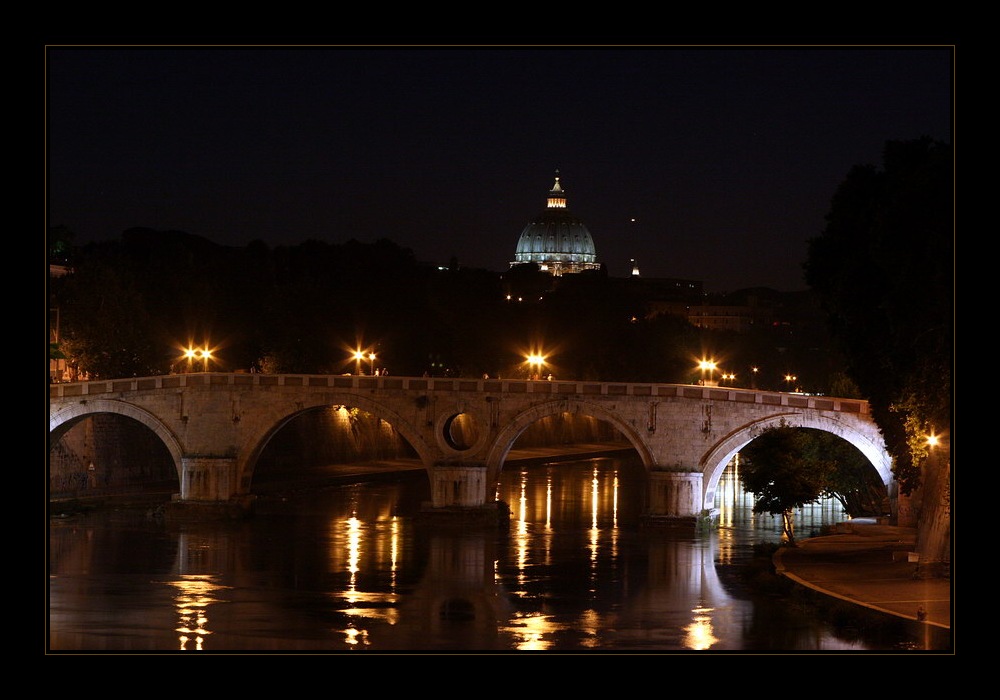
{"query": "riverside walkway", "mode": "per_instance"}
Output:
(869, 564)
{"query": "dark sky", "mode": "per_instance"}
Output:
(708, 163)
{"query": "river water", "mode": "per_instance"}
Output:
(353, 568)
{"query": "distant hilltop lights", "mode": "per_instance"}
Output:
(555, 240)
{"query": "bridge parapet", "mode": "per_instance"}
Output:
(553, 388)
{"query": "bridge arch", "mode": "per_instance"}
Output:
(282, 414)
(508, 435)
(715, 461)
(65, 418)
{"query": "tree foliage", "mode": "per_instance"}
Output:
(106, 326)
(785, 469)
(883, 269)
(852, 480)
(307, 308)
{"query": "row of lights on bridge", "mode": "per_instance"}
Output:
(535, 362)
(710, 366)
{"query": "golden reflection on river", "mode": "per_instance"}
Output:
(699, 632)
(350, 536)
(350, 569)
(194, 596)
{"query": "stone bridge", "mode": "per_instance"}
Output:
(216, 425)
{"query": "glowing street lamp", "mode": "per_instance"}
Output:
(191, 354)
(358, 356)
(206, 355)
(790, 380)
(535, 364)
(371, 359)
(709, 366)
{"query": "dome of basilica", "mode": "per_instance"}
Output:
(556, 240)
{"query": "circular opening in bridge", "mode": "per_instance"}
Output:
(461, 431)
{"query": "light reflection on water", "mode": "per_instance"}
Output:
(350, 568)
(193, 598)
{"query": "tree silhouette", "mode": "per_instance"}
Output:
(784, 471)
(884, 270)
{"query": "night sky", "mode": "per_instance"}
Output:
(707, 163)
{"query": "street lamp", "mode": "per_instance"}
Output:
(371, 359)
(710, 366)
(790, 380)
(535, 363)
(192, 353)
(358, 356)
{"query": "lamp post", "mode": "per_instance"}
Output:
(371, 359)
(710, 366)
(790, 380)
(753, 377)
(535, 363)
(192, 353)
(358, 356)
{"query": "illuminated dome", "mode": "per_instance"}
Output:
(556, 240)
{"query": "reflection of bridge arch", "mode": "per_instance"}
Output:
(682, 593)
(717, 459)
(508, 435)
(458, 597)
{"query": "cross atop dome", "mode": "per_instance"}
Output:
(557, 187)
(557, 198)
